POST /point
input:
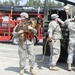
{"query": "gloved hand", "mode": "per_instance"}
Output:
(49, 39)
(29, 27)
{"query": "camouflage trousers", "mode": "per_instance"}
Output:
(54, 52)
(71, 51)
(27, 50)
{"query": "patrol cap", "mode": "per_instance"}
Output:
(24, 14)
(53, 16)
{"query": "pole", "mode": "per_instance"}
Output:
(45, 12)
(11, 10)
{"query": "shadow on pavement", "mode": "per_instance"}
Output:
(15, 69)
(64, 66)
(73, 67)
(43, 63)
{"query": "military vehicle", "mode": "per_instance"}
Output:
(65, 33)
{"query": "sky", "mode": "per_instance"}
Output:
(24, 1)
(72, 0)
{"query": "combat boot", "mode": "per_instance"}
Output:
(32, 71)
(69, 67)
(22, 72)
(54, 68)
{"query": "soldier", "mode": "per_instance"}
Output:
(25, 35)
(71, 46)
(54, 32)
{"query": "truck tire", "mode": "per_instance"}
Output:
(15, 40)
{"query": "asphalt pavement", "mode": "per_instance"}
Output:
(9, 62)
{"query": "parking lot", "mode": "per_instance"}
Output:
(9, 62)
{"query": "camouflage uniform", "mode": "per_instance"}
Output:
(54, 32)
(71, 46)
(25, 49)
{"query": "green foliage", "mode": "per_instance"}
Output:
(17, 2)
(31, 3)
(53, 3)
(39, 3)
(4, 3)
(59, 4)
(11, 3)
(34, 3)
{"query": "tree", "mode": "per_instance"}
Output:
(59, 4)
(0, 3)
(52, 3)
(17, 2)
(5, 3)
(34, 3)
(8, 3)
(31, 3)
(11, 3)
